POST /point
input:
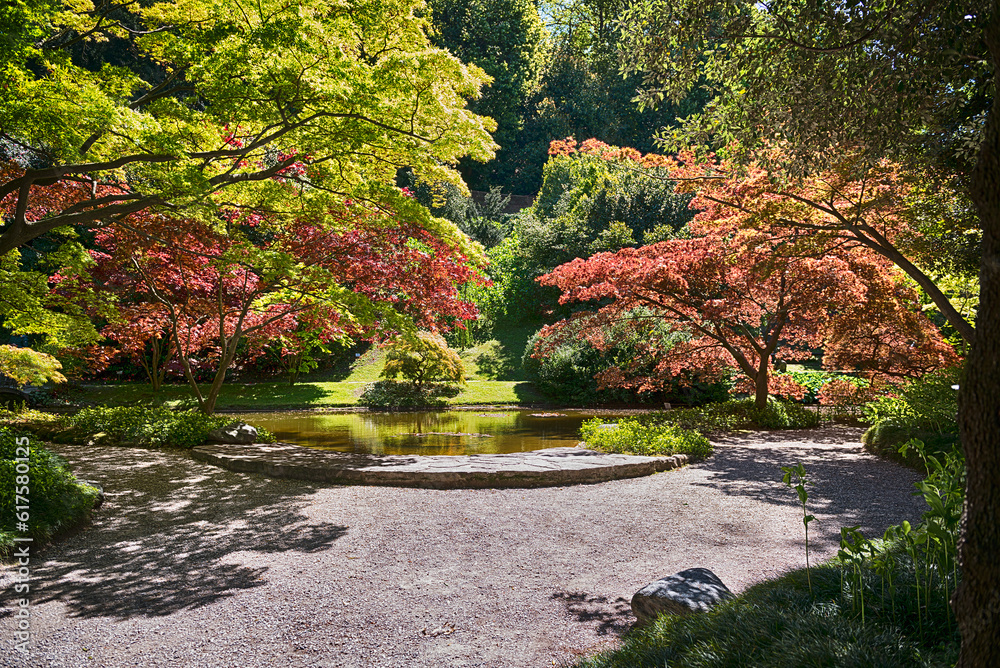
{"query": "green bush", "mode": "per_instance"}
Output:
(56, 500)
(391, 395)
(145, 426)
(740, 414)
(925, 409)
(636, 438)
(779, 624)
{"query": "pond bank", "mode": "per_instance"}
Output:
(539, 468)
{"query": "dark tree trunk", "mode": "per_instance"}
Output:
(977, 601)
(760, 386)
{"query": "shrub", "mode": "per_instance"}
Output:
(925, 409)
(739, 414)
(144, 426)
(422, 358)
(56, 500)
(390, 395)
(636, 438)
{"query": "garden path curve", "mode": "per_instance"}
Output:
(189, 565)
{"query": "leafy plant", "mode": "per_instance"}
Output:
(925, 409)
(795, 477)
(57, 500)
(29, 367)
(423, 358)
(391, 395)
(143, 426)
(636, 438)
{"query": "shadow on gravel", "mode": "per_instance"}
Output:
(163, 540)
(612, 617)
(842, 483)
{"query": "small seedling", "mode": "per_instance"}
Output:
(795, 477)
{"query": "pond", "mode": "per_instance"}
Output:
(437, 433)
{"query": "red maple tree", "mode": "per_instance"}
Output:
(748, 298)
(202, 296)
(871, 207)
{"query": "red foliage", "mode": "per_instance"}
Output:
(184, 287)
(744, 300)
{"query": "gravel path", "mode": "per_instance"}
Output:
(190, 565)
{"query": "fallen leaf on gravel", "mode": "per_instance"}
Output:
(445, 630)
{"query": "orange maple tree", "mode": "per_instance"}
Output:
(747, 299)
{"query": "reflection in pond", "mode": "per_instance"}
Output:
(438, 433)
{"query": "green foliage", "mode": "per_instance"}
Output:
(56, 500)
(390, 395)
(780, 624)
(485, 223)
(635, 437)
(29, 307)
(513, 295)
(794, 477)
(423, 358)
(506, 39)
(143, 426)
(581, 95)
(195, 99)
(925, 408)
(588, 204)
(738, 414)
(29, 367)
(931, 65)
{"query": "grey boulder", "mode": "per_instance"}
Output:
(693, 590)
(239, 433)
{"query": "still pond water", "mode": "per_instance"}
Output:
(438, 433)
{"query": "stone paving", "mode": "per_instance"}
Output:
(538, 468)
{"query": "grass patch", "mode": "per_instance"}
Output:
(58, 501)
(634, 437)
(780, 625)
(340, 394)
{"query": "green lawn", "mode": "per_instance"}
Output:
(322, 390)
(300, 395)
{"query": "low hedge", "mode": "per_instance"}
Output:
(56, 500)
(144, 426)
(738, 414)
(633, 437)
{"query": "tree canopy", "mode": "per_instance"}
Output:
(181, 104)
(816, 78)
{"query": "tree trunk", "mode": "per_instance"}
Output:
(977, 601)
(760, 386)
